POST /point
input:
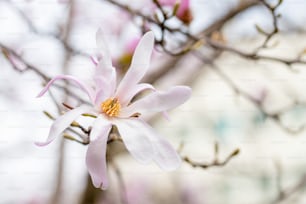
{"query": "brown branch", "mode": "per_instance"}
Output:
(11, 55)
(219, 23)
(33, 29)
(253, 55)
(192, 39)
(284, 194)
(215, 162)
(275, 29)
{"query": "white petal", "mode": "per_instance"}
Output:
(64, 121)
(99, 123)
(135, 140)
(125, 100)
(139, 66)
(103, 48)
(105, 76)
(133, 132)
(105, 82)
(78, 82)
(158, 101)
(96, 154)
(165, 155)
(101, 96)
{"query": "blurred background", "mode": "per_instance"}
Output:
(244, 59)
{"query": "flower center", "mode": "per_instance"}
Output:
(111, 107)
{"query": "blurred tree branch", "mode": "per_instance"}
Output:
(276, 116)
(57, 36)
(204, 39)
(215, 162)
(191, 46)
(285, 193)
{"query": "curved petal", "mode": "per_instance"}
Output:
(62, 122)
(164, 154)
(135, 140)
(89, 91)
(96, 153)
(139, 66)
(158, 101)
(125, 100)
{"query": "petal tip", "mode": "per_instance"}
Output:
(42, 144)
(173, 166)
(39, 95)
(185, 91)
(149, 36)
(99, 184)
(42, 92)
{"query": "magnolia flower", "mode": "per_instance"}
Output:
(114, 106)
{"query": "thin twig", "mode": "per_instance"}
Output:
(215, 162)
(284, 194)
(275, 16)
(214, 44)
(276, 116)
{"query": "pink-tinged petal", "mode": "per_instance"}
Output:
(64, 121)
(103, 49)
(158, 101)
(105, 83)
(166, 115)
(139, 66)
(101, 96)
(96, 153)
(105, 76)
(15, 61)
(135, 140)
(89, 91)
(128, 96)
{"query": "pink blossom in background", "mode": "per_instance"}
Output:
(124, 60)
(112, 105)
(184, 11)
(131, 46)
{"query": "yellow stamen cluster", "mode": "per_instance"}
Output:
(111, 107)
